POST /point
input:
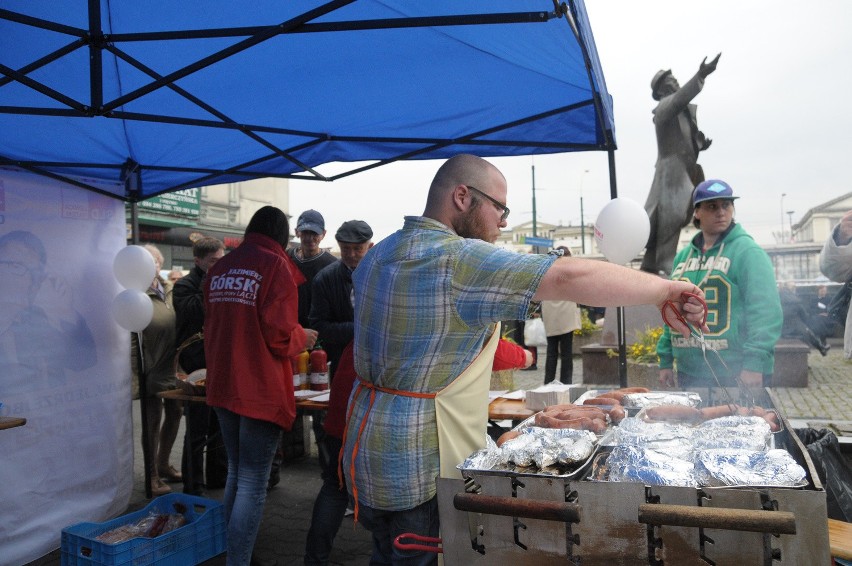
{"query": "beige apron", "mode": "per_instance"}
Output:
(461, 410)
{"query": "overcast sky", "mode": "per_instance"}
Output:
(776, 109)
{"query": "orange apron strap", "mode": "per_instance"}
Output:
(373, 388)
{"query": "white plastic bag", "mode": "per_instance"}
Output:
(534, 334)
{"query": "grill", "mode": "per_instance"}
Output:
(512, 519)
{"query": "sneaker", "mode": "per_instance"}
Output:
(349, 512)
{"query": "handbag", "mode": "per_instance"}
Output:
(839, 305)
(534, 334)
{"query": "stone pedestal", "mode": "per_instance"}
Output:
(643, 375)
(598, 367)
(578, 342)
(503, 380)
(791, 364)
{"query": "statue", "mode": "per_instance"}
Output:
(669, 204)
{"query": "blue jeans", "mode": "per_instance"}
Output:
(387, 525)
(329, 507)
(250, 444)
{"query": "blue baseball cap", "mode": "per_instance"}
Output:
(712, 189)
(311, 221)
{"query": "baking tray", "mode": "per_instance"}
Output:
(691, 398)
(512, 470)
(600, 456)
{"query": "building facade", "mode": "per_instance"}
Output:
(175, 220)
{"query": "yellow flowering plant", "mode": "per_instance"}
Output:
(644, 350)
(586, 325)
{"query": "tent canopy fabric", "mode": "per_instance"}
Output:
(133, 99)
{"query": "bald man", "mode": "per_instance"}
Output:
(428, 300)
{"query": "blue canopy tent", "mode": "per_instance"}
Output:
(159, 96)
(136, 99)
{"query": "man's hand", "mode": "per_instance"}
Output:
(752, 379)
(844, 230)
(310, 338)
(692, 309)
(706, 68)
(667, 378)
(528, 359)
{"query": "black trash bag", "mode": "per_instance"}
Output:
(834, 473)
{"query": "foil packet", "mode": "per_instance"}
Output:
(733, 433)
(726, 468)
(535, 449)
(659, 398)
(674, 438)
(645, 465)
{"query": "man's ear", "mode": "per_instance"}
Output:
(462, 197)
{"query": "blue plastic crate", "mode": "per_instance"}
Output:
(202, 538)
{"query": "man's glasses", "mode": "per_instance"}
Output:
(497, 203)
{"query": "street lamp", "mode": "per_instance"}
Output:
(782, 216)
(582, 220)
(790, 216)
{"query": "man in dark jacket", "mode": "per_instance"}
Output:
(188, 299)
(331, 302)
(332, 315)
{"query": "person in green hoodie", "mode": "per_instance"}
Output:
(744, 309)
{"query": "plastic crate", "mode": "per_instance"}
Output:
(202, 538)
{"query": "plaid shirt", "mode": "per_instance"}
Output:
(425, 300)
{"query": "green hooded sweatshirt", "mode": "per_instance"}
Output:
(744, 310)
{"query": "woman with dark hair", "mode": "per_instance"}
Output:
(251, 331)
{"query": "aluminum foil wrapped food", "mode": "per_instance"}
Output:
(736, 433)
(717, 468)
(660, 398)
(548, 447)
(673, 438)
(521, 450)
(535, 447)
(646, 465)
(484, 459)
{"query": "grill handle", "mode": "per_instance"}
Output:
(778, 522)
(514, 507)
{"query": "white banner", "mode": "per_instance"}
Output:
(64, 364)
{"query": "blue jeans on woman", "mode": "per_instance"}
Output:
(387, 525)
(250, 444)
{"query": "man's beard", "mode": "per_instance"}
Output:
(471, 226)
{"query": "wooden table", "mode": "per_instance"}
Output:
(11, 422)
(840, 539)
(499, 409)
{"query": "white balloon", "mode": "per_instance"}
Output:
(133, 310)
(621, 230)
(134, 267)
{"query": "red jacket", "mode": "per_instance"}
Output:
(508, 356)
(251, 330)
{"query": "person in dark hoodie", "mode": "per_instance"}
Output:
(744, 309)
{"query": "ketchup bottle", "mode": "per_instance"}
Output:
(319, 369)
